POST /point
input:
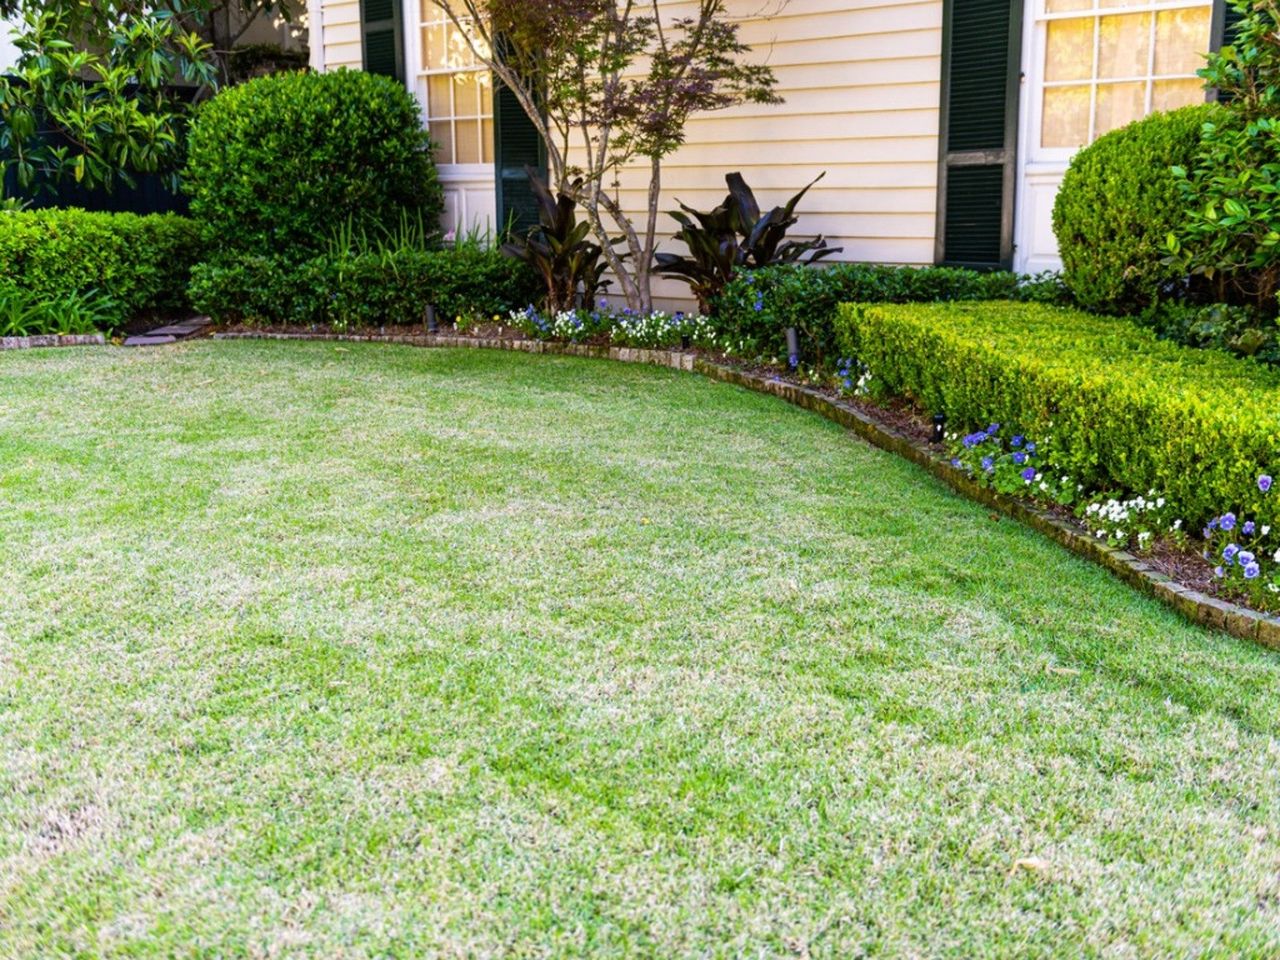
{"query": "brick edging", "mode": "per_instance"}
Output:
(1199, 608)
(53, 340)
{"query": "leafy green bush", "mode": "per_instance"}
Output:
(23, 314)
(756, 307)
(1117, 205)
(1230, 186)
(142, 263)
(275, 164)
(364, 290)
(1122, 409)
(1237, 329)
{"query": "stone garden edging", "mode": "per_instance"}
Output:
(53, 340)
(1193, 605)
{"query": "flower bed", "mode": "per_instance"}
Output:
(1142, 438)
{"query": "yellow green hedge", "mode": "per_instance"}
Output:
(1124, 410)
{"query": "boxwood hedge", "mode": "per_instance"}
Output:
(140, 262)
(1123, 409)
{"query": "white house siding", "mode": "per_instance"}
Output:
(337, 44)
(860, 80)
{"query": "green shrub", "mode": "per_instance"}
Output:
(364, 290)
(142, 263)
(1122, 409)
(756, 307)
(1230, 188)
(275, 165)
(1116, 207)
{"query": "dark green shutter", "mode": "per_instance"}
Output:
(981, 48)
(1222, 32)
(515, 144)
(382, 39)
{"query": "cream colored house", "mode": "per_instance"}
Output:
(944, 126)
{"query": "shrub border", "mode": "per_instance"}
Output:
(1197, 607)
(53, 340)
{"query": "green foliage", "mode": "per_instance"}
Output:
(276, 162)
(363, 290)
(1234, 328)
(1231, 189)
(1117, 205)
(142, 263)
(756, 307)
(735, 236)
(559, 251)
(100, 92)
(1122, 409)
(23, 314)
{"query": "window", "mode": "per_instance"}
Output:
(457, 91)
(1108, 62)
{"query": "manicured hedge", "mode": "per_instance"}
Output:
(1119, 408)
(277, 164)
(756, 307)
(1118, 203)
(141, 262)
(363, 290)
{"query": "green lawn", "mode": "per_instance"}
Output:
(347, 651)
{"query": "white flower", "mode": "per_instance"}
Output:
(1266, 530)
(1160, 501)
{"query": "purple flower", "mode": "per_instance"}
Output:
(759, 304)
(1264, 483)
(1019, 457)
(1029, 474)
(1227, 521)
(973, 439)
(1244, 558)
(1031, 448)
(988, 464)
(1016, 441)
(1248, 528)
(993, 429)
(1229, 551)
(1251, 571)
(955, 462)
(1219, 572)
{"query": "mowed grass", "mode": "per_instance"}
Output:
(356, 651)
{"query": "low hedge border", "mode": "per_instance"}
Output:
(1197, 607)
(53, 340)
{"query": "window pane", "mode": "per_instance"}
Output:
(466, 94)
(486, 140)
(1181, 37)
(442, 135)
(1066, 6)
(438, 103)
(1123, 45)
(486, 93)
(1069, 49)
(468, 142)
(1172, 94)
(1121, 4)
(1118, 104)
(1066, 117)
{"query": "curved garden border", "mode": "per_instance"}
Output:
(1192, 604)
(53, 340)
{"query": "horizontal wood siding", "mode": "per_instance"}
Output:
(861, 83)
(341, 37)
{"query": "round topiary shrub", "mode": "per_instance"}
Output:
(277, 164)
(1117, 205)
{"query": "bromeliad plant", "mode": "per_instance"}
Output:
(736, 236)
(23, 314)
(559, 250)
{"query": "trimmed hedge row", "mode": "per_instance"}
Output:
(141, 262)
(1120, 408)
(756, 307)
(364, 290)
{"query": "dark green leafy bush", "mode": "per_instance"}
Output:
(364, 290)
(756, 307)
(1237, 329)
(1117, 205)
(1230, 187)
(275, 164)
(141, 263)
(1122, 409)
